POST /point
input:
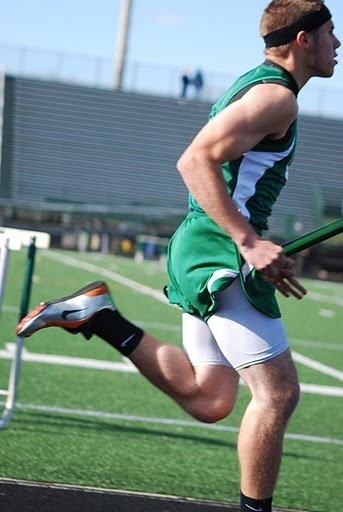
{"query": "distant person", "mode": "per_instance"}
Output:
(149, 250)
(185, 81)
(126, 246)
(234, 169)
(198, 82)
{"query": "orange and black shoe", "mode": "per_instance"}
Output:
(73, 312)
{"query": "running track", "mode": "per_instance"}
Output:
(24, 496)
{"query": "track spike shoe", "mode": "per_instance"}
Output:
(73, 312)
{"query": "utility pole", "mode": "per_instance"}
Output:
(123, 32)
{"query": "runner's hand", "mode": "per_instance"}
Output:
(289, 285)
(275, 266)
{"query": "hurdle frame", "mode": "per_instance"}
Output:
(4, 259)
(11, 392)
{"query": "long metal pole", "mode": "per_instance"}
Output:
(123, 33)
(4, 256)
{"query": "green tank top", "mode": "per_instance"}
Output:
(255, 180)
(202, 258)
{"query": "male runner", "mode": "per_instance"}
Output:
(234, 170)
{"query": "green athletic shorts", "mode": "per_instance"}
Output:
(202, 260)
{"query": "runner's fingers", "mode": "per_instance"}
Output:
(283, 288)
(289, 287)
(295, 283)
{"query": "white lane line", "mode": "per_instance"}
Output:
(327, 313)
(338, 301)
(10, 309)
(152, 292)
(80, 362)
(177, 328)
(316, 389)
(317, 344)
(114, 276)
(164, 421)
(158, 325)
(315, 365)
(127, 366)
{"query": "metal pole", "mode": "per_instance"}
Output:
(123, 32)
(4, 256)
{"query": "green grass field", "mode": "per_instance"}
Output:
(109, 428)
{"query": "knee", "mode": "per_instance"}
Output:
(291, 395)
(284, 400)
(214, 410)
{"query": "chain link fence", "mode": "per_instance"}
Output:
(142, 77)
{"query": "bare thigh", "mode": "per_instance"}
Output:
(214, 375)
(273, 382)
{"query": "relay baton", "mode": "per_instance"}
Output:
(313, 237)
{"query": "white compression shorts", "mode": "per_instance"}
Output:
(237, 335)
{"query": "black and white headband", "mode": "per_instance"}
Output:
(308, 22)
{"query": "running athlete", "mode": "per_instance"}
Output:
(222, 272)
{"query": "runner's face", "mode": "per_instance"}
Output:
(322, 58)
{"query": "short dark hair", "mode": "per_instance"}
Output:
(280, 13)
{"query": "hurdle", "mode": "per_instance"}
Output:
(11, 392)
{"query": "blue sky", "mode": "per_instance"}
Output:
(220, 36)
